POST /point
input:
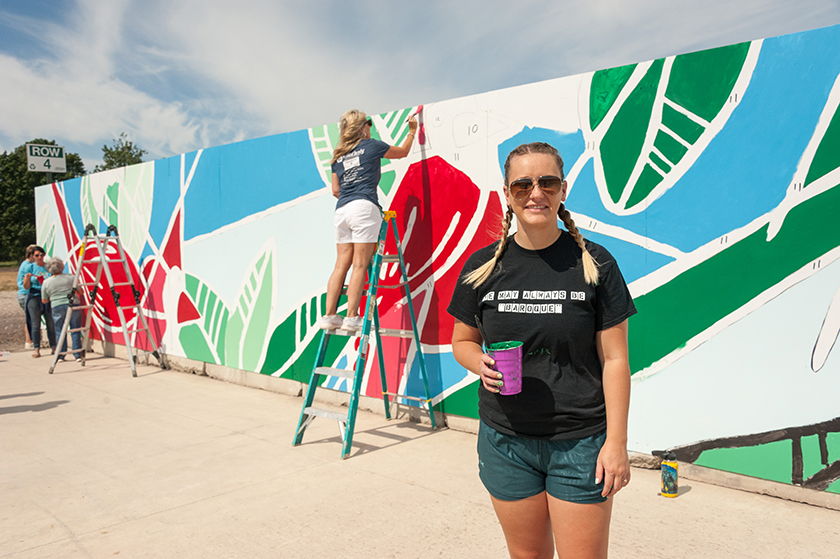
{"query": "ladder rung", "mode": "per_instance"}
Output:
(121, 284)
(117, 261)
(87, 284)
(81, 307)
(396, 333)
(394, 286)
(415, 398)
(69, 351)
(390, 258)
(326, 413)
(82, 329)
(333, 372)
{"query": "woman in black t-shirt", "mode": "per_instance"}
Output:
(553, 455)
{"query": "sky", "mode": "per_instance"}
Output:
(177, 76)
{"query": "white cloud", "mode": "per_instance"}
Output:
(177, 76)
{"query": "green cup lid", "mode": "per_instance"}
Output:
(504, 345)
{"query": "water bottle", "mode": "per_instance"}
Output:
(670, 475)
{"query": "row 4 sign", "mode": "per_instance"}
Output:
(45, 158)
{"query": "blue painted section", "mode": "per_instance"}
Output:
(769, 131)
(257, 175)
(570, 146)
(73, 198)
(443, 372)
(634, 261)
(167, 189)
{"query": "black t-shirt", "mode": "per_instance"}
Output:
(539, 297)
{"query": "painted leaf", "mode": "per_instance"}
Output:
(135, 206)
(110, 205)
(207, 335)
(294, 343)
(89, 212)
(827, 157)
(323, 140)
(247, 325)
(649, 122)
(391, 128)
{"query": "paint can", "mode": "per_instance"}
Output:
(670, 475)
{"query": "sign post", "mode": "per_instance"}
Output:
(45, 158)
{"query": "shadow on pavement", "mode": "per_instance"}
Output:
(21, 395)
(35, 407)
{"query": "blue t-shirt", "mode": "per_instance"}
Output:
(359, 171)
(34, 282)
(22, 271)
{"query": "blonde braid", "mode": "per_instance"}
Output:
(590, 265)
(480, 274)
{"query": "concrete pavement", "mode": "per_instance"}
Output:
(95, 463)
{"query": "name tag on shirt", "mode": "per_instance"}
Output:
(350, 163)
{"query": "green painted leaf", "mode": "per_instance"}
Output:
(135, 206)
(195, 343)
(606, 85)
(323, 140)
(650, 122)
(214, 318)
(247, 325)
(827, 156)
(759, 264)
(294, 343)
(89, 212)
(390, 127)
(110, 205)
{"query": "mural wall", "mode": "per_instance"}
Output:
(713, 177)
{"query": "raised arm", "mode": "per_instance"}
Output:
(398, 152)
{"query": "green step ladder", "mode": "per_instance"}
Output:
(370, 321)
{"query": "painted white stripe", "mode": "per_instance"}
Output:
(591, 224)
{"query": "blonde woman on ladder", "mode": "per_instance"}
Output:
(356, 171)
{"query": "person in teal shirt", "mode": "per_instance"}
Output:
(33, 278)
(22, 291)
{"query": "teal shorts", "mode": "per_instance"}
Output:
(514, 468)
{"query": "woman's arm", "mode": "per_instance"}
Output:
(398, 152)
(336, 188)
(613, 464)
(466, 347)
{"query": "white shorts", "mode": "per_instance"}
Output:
(358, 221)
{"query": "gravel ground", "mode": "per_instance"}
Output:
(11, 322)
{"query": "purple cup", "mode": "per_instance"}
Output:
(508, 358)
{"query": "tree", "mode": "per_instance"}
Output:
(121, 153)
(17, 197)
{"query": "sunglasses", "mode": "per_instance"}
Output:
(369, 122)
(38, 254)
(549, 184)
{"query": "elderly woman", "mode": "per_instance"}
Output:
(58, 292)
(32, 277)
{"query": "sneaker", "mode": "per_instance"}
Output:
(329, 322)
(353, 324)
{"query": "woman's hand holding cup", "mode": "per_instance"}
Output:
(491, 379)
